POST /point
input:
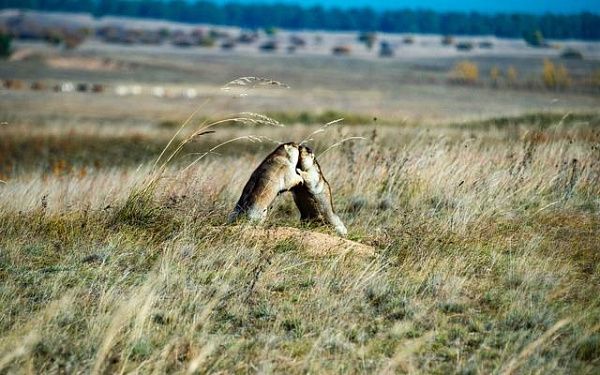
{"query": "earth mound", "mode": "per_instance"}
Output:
(314, 243)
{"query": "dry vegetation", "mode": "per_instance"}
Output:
(485, 236)
(473, 245)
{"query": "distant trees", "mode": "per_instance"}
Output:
(581, 26)
(58, 5)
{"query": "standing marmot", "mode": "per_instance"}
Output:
(276, 174)
(313, 198)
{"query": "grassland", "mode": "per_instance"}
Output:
(487, 261)
(485, 234)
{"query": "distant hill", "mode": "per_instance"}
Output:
(554, 26)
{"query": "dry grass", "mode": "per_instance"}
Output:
(486, 258)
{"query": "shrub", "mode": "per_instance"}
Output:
(512, 75)
(386, 49)
(447, 40)
(465, 72)
(164, 32)
(341, 50)
(269, 45)
(464, 46)
(206, 42)
(495, 75)
(72, 41)
(535, 39)
(555, 77)
(368, 38)
(229, 44)
(571, 53)
(270, 31)
(5, 45)
(53, 36)
(596, 78)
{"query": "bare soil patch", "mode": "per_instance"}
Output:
(83, 63)
(314, 243)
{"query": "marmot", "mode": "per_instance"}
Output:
(313, 197)
(276, 174)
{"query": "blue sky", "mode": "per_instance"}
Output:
(524, 6)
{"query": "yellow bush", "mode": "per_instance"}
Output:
(555, 77)
(495, 74)
(596, 78)
(465, 72)
(512, 75)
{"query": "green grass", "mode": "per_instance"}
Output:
(322, 118)
(538, 121)
(476, 303)
(301, 117)
(487, 262)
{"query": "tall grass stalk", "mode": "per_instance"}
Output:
(202, 155)
(244, 118)
(321, 129)
(339, 143)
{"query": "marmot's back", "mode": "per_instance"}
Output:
(276, 173)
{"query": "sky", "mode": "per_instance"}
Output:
(521, 6)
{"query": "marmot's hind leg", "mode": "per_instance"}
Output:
(337, 223)
(257, 214)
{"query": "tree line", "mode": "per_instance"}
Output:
(555, 26)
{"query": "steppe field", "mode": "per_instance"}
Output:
(472, 206)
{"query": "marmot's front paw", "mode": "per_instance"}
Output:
(303, 174)
(300, 180)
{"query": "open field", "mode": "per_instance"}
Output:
(395, 90)
(474, 214)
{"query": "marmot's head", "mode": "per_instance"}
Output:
(307, 158)
(291, 150)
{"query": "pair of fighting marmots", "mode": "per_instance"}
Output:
(291, 167)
